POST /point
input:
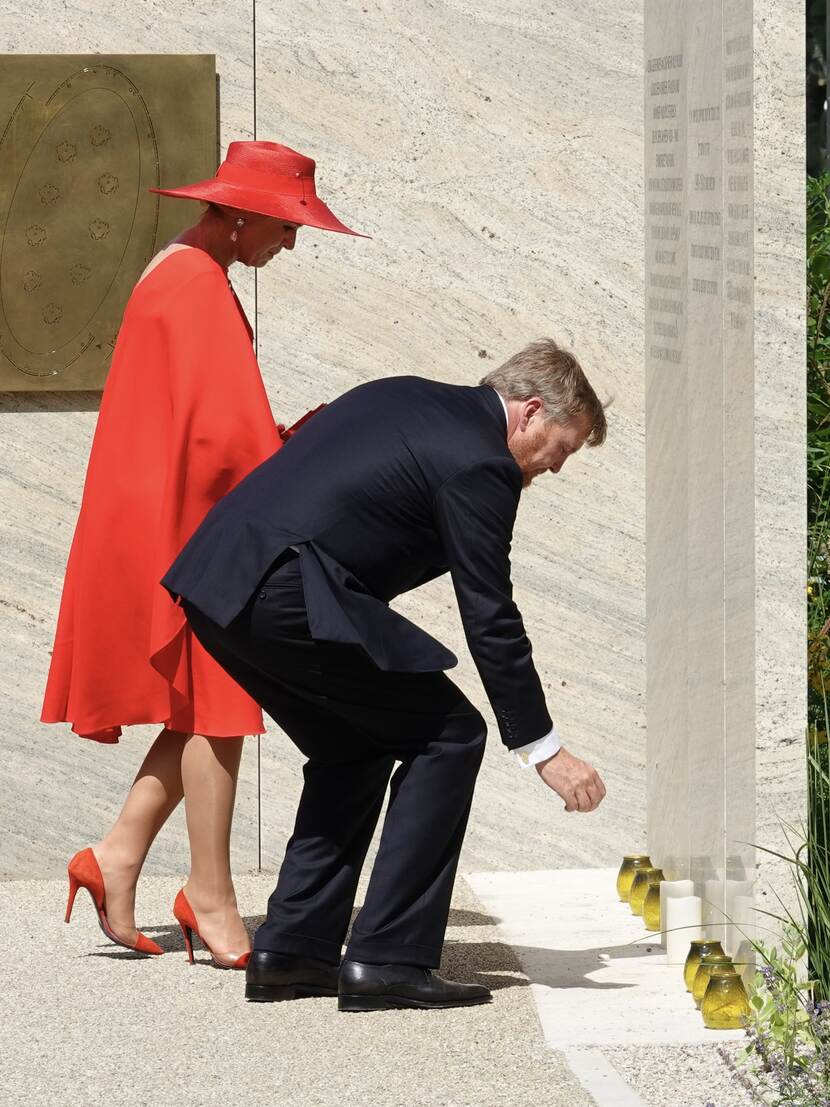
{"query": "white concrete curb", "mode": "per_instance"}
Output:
(600, 1079)
(597, 977)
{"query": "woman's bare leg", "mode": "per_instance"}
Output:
(154, 795)
(209, 771)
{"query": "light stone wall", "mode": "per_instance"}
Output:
(494, 153)
(780, 432)
(725, 466)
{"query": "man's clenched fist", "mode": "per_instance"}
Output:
(577, 782)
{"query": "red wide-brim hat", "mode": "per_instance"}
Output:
(269, 179)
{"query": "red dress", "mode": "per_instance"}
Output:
(184, 417)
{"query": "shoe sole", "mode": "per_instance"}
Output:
(273, 993)
(396, 1003)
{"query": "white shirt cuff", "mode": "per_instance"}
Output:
(540, 750)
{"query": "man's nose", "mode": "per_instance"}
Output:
(289, 240)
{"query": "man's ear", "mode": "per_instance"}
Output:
(530, 408)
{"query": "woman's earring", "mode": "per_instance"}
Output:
(234, 232)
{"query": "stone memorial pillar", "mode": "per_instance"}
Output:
(725, 689)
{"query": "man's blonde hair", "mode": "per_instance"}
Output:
(545, 370)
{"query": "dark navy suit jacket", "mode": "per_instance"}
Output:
(392, 484)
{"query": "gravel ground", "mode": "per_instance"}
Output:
(680, 1075)
(88, 1023)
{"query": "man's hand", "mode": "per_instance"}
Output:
(577, 782)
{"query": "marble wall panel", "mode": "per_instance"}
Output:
(59, 792)
(738, 247)
(667, 439)
(690, 49)
(492, 152)
(742, 461)
(780, 381)
(705, 457)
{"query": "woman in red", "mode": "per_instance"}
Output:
(184, 417)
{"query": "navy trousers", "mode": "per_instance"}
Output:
(353, 722)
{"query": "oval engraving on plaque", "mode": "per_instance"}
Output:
(88, 232)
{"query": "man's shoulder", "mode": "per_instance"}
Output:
(440, 427)
(413, 393)
(410, 382)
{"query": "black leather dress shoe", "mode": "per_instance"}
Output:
(382, 987)
(274, 976)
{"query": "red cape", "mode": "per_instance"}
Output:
(184, 417)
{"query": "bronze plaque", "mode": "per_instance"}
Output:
(83, 139)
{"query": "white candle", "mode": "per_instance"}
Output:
(683, 923)
(745, 934)
(670, 889)
(712, 914)
(744, 916)
(739, 913)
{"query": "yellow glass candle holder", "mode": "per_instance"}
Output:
(701, 981)
(639, 887)
(725, 1005)
(651, 904)
(697, 948)
(631, 865)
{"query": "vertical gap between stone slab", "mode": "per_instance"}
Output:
(724, 540)
(256, 353)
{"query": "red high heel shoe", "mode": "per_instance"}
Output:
(185, 917)
(84, 872)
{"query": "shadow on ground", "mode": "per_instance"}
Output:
(492, 963)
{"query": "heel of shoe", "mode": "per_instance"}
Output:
(269, 993)
(184, 915)
(368, 1003)
(74, 885)
(188, 941)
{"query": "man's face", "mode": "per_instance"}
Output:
(539, 446)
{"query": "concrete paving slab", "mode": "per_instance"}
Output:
(602, 1079)
(598, 978)
(87, 1023)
